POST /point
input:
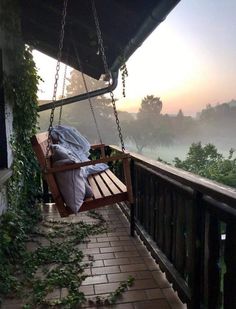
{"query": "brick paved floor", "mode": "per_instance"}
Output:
(116, 257)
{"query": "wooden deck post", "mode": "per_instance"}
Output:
(128, 182)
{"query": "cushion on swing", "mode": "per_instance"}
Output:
(61, 153)
(72, 184)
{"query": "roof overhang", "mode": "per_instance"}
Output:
(124, 25)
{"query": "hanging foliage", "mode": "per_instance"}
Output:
(21, 89)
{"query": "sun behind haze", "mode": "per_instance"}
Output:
(188, 61)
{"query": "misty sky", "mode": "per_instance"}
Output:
(189, 60)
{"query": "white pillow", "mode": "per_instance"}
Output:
(72, 184)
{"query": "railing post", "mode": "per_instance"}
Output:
(213, 269)
(198, 244)
(230, 262)
(128, 181)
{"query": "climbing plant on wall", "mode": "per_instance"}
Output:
(20, 82)
(22, 91)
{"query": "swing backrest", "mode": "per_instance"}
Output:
(40, 144)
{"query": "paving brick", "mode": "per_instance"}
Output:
(173, 299)
(99, 245)
(117, 306)
(104, 256)
(133, 267)
(132, 296)
(121, 243)
(137, 260)
(151, 263)
(160, 279)
(105, 270)
(125, 237)
(87, 289)
(111, 249)
(154, 293)
(126, 254)
(91, 240)
(152, 304)
(108, 238)
(95, 280)
(124, 276)
(129, 248)
(144, 284)
(98, 263)
(121, 261)
(91, 251)
(118, 233)
(106, 288)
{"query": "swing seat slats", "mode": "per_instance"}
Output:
(107, 188)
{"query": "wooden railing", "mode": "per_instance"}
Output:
(189, 225)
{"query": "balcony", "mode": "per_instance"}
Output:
(116, 257)
(184, 252)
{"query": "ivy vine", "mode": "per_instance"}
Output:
(20, 84)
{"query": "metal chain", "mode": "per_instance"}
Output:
(104, 59)
(61, 41)
(89, 98)
(62, 94)
(92, 109)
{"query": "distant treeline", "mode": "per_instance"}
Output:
(149, 127)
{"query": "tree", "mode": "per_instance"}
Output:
(150, 109)
(79, 114)
(206, 161)
(150, 128)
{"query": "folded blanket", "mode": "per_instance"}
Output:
(78, 146)
(71, 147)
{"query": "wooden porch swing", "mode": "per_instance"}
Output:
(107, 188)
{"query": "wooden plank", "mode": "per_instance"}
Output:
(117, 181)
(73, 166)
(161, 212)
(168, 222)
(180, 250)
(94, 187)
(152, 204)
(101, 185)
(230, 262)
(127, 176)
(104, 201)
(216, 190)
(213, 282)
(113, 188)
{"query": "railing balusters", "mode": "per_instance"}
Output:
(168, 223)
(152, 208)
(214, 240)
(180, 235)
(161, 217)
(230, 263)
(179, 215)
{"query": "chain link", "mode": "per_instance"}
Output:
(61, 41)
(62, 94)
(107, 71)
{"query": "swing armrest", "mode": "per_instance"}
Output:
(73, 166)
(101, 147)
(95, 146)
